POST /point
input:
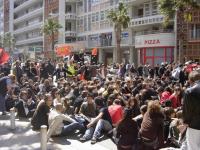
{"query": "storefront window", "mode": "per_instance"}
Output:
(156, 55)
(149, 52)
(159, 52)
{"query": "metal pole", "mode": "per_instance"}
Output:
(43, 140)
(12, 118)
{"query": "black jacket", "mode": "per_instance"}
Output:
(191, 106)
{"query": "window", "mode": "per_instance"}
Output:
(147, 9)
(68, 26)
(68, 8)
(97, 16)
(89, 22)
(154, 8)
(140, 12)
(102, 15)
(195, 32)
(93, 17)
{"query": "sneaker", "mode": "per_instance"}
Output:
(93, 140)
(83, 139)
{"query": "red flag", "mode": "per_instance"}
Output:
(94, 51)
(63, 50)
(4, 57)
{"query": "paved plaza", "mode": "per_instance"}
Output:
(23, 138)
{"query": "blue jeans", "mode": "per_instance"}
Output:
(88, 133)
(2, 103)
(67, 129)
(101, 125)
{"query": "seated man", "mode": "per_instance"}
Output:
(87, 112)
(25, 107)
(56, 125)
(103, 122)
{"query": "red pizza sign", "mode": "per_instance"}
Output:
(152, 42)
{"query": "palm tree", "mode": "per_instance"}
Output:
(169, 8)
(121, 20)
(8, 41)
(51, 28)
(1, 41)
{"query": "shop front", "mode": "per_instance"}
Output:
(155, 48)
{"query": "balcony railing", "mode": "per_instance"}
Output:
(147, 20)
(70, 33)
(31, 40)
(29, 15)
(194, 35)
(71, 16)
(28, 28)
(24, 5)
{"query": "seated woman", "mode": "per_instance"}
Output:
(127, 132)
(151, 132)
(40, 116)
(25, 107)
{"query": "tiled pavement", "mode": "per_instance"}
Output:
(23, 138)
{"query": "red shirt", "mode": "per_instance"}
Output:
(175, 101)
(116, 113)
(164, 96)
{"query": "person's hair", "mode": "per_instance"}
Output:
(12, 77)
(46, 97)
(168, 111)
(22, 93)
(117, 101)
(143, 109)
(134, 100)
(179, 114)
(59, 106)
(194, 76)
(153, 107)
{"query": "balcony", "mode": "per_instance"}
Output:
(30, 15)
(28, 28)
(70, 33)
(24, 5)
(70, 16)
(147, 20)
(31, 40)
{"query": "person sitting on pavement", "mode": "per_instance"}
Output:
(25, 107)
(127, 132)
(40, 116)
(61, 124)
(87, 112)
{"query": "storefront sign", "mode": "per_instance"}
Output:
(155, 40)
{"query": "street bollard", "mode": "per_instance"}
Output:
(43, 140)
(12, 118)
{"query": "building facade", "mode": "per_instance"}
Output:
(23, 19)
(145, 41)
(188, 37)
(1, 18)
(85, 26)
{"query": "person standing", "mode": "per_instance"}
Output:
(5, 86)
(191, 112)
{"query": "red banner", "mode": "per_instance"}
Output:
(94, 51)
(63, 50)
(4, 56)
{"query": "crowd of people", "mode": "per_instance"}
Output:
(143, 108)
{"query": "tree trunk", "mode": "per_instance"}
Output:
(118, 46)
(52, 46)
